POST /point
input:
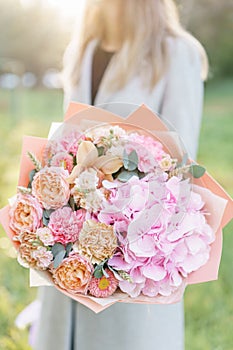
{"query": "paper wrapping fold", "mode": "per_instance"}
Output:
(218, 203)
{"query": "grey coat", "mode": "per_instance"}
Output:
(67, 325)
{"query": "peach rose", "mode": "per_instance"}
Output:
(25, 214)
(50, 187)
(74, 274)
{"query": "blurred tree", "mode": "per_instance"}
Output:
(34, 36)
(211, 21)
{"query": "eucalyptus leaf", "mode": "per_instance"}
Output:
(47, 213)
(69, 247)
(133, 160)
(98, 272)
(125, 176)
(46, 216)
(32, 174)
(45, 221)
(130, 161)
(125, 159)
(197, 170)
(100, 151)
(57, 248)
(58, 258)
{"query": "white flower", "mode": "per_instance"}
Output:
(106, 135)
(45, 235)
(116, 150)
(43, 257)
(92, 201)
(87, 180)
(166, 163)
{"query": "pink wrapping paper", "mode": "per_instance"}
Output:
(218, 203)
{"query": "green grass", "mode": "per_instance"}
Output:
(208, 306)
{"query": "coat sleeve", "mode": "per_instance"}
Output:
(183, 94)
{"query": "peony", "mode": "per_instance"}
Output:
(103, 287)
(50, 187)
(66, 224)
(97, 241)
(25, 214)
(73, 274)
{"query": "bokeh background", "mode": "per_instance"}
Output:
(33, 36)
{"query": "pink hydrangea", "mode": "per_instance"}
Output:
(25, 214)
(162, 248)
(66, 224)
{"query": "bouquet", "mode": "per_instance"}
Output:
(108, 211)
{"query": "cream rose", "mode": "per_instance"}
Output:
(50, 187)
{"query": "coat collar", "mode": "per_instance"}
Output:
(86, 77)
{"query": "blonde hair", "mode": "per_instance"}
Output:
(146, 25)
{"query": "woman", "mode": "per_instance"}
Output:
(131, 51)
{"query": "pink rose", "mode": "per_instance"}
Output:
(50, 187)
(66, 224)
(25, 214)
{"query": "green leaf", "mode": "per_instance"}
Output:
(69, 247)
(32, 174)
(125, 176)
(57, 248)
(59, 252)
(72, 203)
(133, 160)
(125, 159)
(46, 216)
(58, 258)
(98, 272)
(100, 151)
(130, 161)
(197, 170)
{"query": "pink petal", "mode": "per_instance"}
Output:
(143, 247)
(144, 222)
(156, 273)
